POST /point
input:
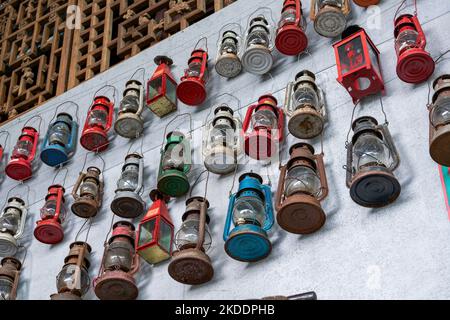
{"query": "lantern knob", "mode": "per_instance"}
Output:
(163, 60)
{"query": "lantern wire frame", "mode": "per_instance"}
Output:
(38, 116)
(403, 3)
(61, 104)
(9, 192)
(135, 72)
(205, 39)
(60, 168)
(96, 154)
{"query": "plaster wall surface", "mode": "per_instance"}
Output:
(401, 251)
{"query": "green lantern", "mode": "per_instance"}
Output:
(174, 166)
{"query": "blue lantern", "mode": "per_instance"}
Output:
(60, 140)
(251, 211)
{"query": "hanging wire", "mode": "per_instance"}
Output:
(136, 71)
(172, 120)
(25, 250)
(197, 181)
(2, 133)
(65, 176)
(382, 110)
(98, 155)
(9, 192)
(38, 116)
(438, 59)
(66, 102)
(403, 3)
(238, 109)
(221, 31)
(89, 220)
(110, 229)
(351, 124)
(141, 145)
(115, 91)
(206, 43)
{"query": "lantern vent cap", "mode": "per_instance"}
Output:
(133, 155)
(155, 195)
(94, 170)
(365, 124)
(350, 30)
(301, 145)
(16, 199)
(175, 134)
(13, 261)
(251, 175)
(229, 34)
(124, 223)
(193, 207)
(163, 60)
(223, 107)
(80, 244)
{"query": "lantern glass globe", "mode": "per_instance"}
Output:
(249, 209)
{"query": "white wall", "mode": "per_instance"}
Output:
(401, 251)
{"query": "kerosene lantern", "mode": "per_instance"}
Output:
(267, 123)
(221, 145)
(305, 106)
(53, 214)
(192, 88)
(228, 63)
(97, 125)
(73, 281)
(302, 185)
(366, 3)
(371, 160)
(190, 263)
(440, 121)
(9, 278)
(12, 226)
(330, 16)
(19, 166)
(290, 38)
(175, 165)
(251, 211)
(155, 232)
(60, 140)
(162, 88)
(119, 264)
(358, 64)
(257, 57)
(130, 122)
(414, 63)
(128, 202)
(89, 199)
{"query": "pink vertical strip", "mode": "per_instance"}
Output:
(445, 180)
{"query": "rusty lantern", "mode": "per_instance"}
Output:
(162, 88)
(228, 63)
(19, 166)
(155, 232)
(73, 281)
(130, 122)
(440, 121)
(119, 264)
(358, 64)
(190, 264)
(330, 16)
(267, 122)
(97, 125)
(302, 185)
(9, 278)
(290, 38)
(192, 88)
(414, 64)
(366, 3)
(53, 213)
(12, 226)
(305, 106)
(90, 187)
(371, 160)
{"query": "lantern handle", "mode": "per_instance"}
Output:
(61, 104)
(136, 71)
(98, 155)
(238, 109)
(391, 145)
(5, 133)
(349, 166)
(269, 207)
(141, 145)
(197, 180)
(323, 177)
(439, 59)
(172, 120)
(60, 168)
(351, 124)
(200, 40)
(9, 192)
(106, 86)
(280, 189)
(82, 227)
(226, 229)
(38, 116)
(77, 184)
(227, 25)
(262, 9)
(383, 111)
(400, 8)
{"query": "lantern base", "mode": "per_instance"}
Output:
(162, 106)
(19, 169)
(85, 208)
(366, 3)
(129, 125)
(191, 91)
(173, 183)
(248, 243)
(291, 40)
(49, 232)
(220, 160)
(375, 188)
(191, 266)
(116, 285)
(65, 296)
(301, 214)
(439, 146)
(94, 140)
(8, 245)
(259, 145)
(127, 204)
(306, 123)
(54, 155)
(257, 59)
(330, 22)
(228, 65)
(415, 66)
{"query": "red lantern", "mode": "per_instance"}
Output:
(414, 64)
(267, 122)
(155, 232)
(98, 123)
(358, 63)
(48, 229)
(291, 38)
(20, 165)
(161, 88)
(192, 89)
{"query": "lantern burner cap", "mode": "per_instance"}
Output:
(49, 232)
(330, 22)
(8, 245)
(85, 208)
(375, 188)
(439, 146)
(306, 123)
(415, 66)
(173, 183)
(127, 204)
(257, 59)
(228, 65)
(116, 285)
(350, 30)
(155, 195)
(301, 214)
(291, 40)
(248, 243)
(163, 60)
(191, 92)
(19, 169)
(191, 266)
